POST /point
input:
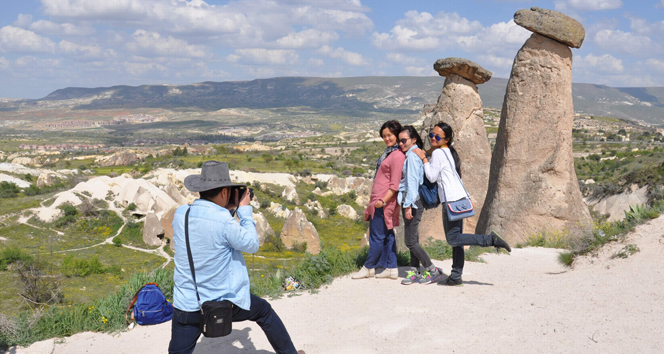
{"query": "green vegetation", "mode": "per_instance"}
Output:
(626, 251)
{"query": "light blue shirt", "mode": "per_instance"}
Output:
(217, 241)
(411, 179)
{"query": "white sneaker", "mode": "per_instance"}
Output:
(364, 273)
(391, 273)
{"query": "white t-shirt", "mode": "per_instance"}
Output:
(440, 170)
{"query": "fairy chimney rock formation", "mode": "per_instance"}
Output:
(298, 229)
(460, 106)
(533, 185)
(552, 24)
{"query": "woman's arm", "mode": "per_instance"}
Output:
(381, 202)
(432, 168)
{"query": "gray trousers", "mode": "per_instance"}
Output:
(457, 240)
(412, 237)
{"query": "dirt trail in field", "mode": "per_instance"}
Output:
(525, 302)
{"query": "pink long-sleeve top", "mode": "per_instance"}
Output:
(388, 177)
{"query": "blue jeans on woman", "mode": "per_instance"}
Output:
(185, 328)
(382, 244)
(457, 240)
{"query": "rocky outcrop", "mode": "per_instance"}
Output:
(290, 194)
(25, 161)
(316, 207)
(460, 106)
(276, 210)
(174, 193)
(615, 206)
(152, 230)
(166, 221)
(533, 184)
(465, 68)
(298, 230)
(263, 228)
(347, 211)
(552, 24)
(124, 158)
(46, 179)
(361, 186)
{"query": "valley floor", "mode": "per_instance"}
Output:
(525, 302)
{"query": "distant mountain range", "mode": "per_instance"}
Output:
(352, 96)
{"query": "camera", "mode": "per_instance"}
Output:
(239, 191)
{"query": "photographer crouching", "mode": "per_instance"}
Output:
(208, 239)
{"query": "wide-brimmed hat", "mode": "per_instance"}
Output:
(214, 174)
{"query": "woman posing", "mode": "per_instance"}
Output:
(445, 169)
(382, 212)
(412, 209)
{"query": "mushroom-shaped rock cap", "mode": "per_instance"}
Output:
(463, 67)
(552, 24)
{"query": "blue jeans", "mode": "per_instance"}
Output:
(457, 240)
(382, 244)
(185, 330)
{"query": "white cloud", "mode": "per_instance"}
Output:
(587, 5)
(492, 61)
(265, 56)
(140, 69)
(645, 28)
(235, 24)
(4, 63)
(316, 62)
(603, 63)
(14, 39)
(153, 43)
(503, 38)
(62, 29)
(423, 31)
(309, 38)
(83, 51)
(657, 65)
(402, 59)
(23, 20)
(626, 42)
(350, 58)
(420, 70)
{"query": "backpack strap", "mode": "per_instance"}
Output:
(133, 301)
(191, 259)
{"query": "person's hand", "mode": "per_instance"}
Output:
(420, 153)
(245, 198)
(379, 203)
(409, 213)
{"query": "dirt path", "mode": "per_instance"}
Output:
(520, 303)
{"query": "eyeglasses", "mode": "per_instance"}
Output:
(438, 137)
(403, 141)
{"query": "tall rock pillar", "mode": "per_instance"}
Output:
(532, 185)
(460, 106)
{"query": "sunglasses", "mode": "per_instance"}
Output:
(438, 137)
(403, 141)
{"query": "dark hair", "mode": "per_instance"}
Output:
(211, 193)
(393, 125)
(412, 133)
(449, 134)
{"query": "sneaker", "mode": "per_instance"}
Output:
(412, 277)
(364, 273)
(391, 273)
(499, 242)
(451, 282)
(431, 277)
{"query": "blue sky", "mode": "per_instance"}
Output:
(50, 44)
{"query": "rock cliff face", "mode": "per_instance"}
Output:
(460, 106)
(298, 229)
(124, 158)
(533, 184)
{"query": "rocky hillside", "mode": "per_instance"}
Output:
(339, 96)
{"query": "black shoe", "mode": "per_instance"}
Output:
(451, 282)
(499, 242)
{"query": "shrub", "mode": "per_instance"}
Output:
(131, 207)
(265, 204)
(117, 241)
(8, 189)
(11, 255)
(37, 287)
(81, 267)
(32, 190)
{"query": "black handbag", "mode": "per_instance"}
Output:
(216, 316)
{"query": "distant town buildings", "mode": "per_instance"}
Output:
(131, 118)
(61, 147)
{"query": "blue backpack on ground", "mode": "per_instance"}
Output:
(151, 306)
